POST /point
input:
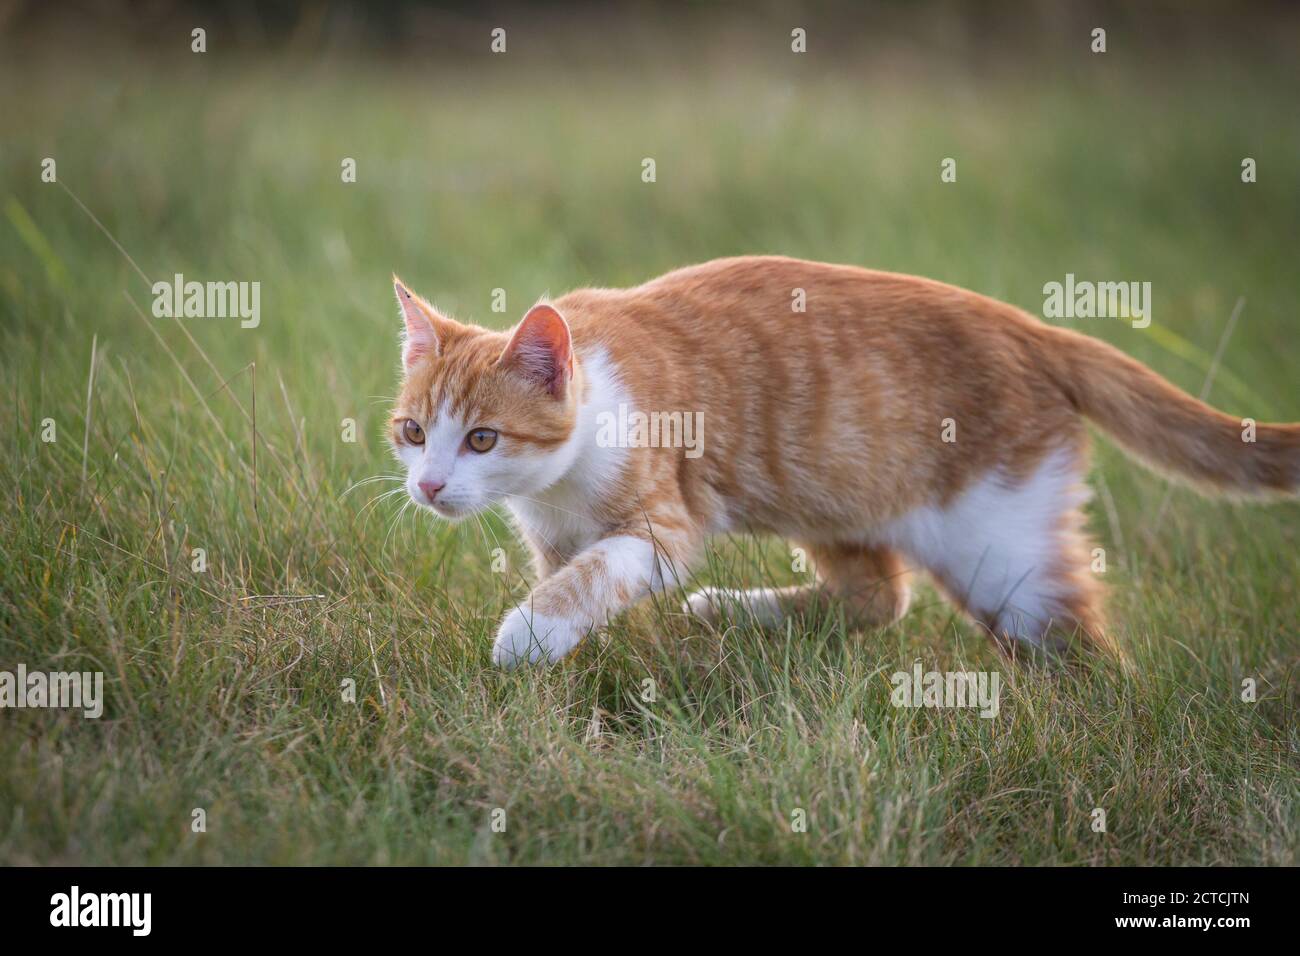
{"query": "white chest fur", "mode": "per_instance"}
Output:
(563, 516)
(559, 518)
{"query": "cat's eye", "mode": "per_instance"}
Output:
(412, 432)
(481, 440)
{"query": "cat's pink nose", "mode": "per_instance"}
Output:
(431, 489)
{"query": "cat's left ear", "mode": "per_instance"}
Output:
(541, 350)
(425, 331)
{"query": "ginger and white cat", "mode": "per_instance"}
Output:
(895, 425)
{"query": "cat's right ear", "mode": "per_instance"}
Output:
(421, 336)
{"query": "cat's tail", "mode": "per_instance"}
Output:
(1168, 429)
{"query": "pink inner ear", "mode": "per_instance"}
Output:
(412, 352)
(420, 339)
(541, 349)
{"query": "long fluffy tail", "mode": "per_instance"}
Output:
(1168, 429)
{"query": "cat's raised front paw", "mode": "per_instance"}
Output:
(529, 637)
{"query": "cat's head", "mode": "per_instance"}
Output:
(481, 414)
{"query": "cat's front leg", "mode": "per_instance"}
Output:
(600, 581)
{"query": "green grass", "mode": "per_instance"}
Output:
(503, 176)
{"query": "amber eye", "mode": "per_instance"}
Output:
(481, 439)
(413, 432)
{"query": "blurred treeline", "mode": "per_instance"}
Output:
(992, 35)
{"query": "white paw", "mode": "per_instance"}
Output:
(528, 637)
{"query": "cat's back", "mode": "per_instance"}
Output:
(787, 299)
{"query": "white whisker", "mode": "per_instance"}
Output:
(366, 481)
(379, 497)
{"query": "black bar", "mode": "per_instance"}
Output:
(366, 906)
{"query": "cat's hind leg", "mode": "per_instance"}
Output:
(871, 583)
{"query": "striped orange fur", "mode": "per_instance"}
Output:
(895, 425)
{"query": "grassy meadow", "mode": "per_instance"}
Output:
(225, 688)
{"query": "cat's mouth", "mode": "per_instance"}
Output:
(449, 510)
